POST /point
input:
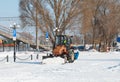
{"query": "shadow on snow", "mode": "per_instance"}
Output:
(30, 62)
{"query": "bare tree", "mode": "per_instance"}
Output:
(49, 14)
(102, 20)
(108, 22)
(26, 35)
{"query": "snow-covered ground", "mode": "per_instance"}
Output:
(91, 66)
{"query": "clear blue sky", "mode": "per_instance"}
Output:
(9, 8)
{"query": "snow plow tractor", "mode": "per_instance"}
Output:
(62, 48)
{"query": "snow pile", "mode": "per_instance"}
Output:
(54, 60)
(93, 50)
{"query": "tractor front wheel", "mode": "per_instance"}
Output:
(71, 56)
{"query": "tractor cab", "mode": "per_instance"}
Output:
(63, 40)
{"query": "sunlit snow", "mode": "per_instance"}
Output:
(91, 66)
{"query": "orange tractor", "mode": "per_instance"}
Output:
(63, 48)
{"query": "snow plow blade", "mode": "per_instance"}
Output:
(45, 57)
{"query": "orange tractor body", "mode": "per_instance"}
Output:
(59, 50)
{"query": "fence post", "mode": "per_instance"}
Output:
(7, 58)
(3, 47)
(37, 56)
(31, 57)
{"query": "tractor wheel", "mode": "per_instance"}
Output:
(65, 58)
(71, 56)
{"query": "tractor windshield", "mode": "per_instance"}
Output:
(63, 40)
(60, 40)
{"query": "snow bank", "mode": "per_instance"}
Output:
(93, 50)
(54, 60)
